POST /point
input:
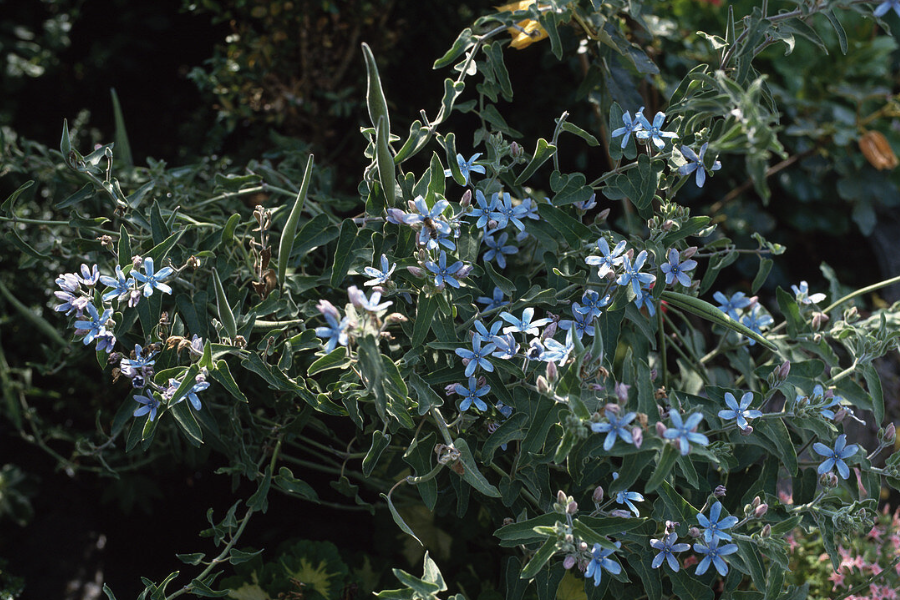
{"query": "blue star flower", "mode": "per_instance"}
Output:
(506, 213)
(336, 331)
(739, 412)
(149, 404)
(599, 561)
(121, 286)
(477, 356)
(466, 166)
(495, 302)
(592, 201)
(835, 457)
(153, 280)
(132, 366)
(756, 321)
(472, 394)
(731, 306)
(358, 299)
(615, 427)
(96, 327)
(714, 556)
(557, 352)
(591, 303)
(678, 270)
(497, 249)
(381, 276)
(633, 275)
(653, 131)
(629, 126)
(697, 164)
(483, 210)
(581, 325)
(607, 261)
(683, 431)
(713, 526)
(645, 298)
(887, 5)
(801, 294)
(442, 273)
(89, 275)
(192, 394)
(507, 346)
(666, 547)
(525, 324)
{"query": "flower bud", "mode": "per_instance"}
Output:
(602, 216)
(840, 415)
(543, 386)
(561, 497)
(416, 271)
(784, 370)
(464, 272)
(818, 319)
(760, 510)
(194, 263)
(515, 150)
(694, 532)
(756, 502)
(549, 330)
(890, 434)
(766, 531)
(689, 252)
(747, 431)
(136, 262)
(568, 562)
(598, 495)
(671, 525)
(877, 150)
(668, 225)
(660, 429)
(637, 434)
(357, 297)
(396, 318)
(622, 392)
(828, 480)
(492, 224)
(395, 216)
(552, 372)
(508, 521)
(622, 514)
(720, 491)
(450, 389)
(572, 507)
(412, 206)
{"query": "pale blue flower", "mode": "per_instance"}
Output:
(683, 431)
(336, 330)
(615, 427)
(495, 302)
(628, 498)
(152, 279)
(442, 273)
(653, 131)
(739, 412)
(483, 209)
(591, 303)
(380, 276)
(497, 249)
(373, 305)
(472, 394)
(645, 298)
(676, 270)
(697, 164)
(591, 202)
(608, 260)
(89, 275)
(557, 352)
(477, 356)
(133, 366)
(756, 320)
(507, 346)
(525, 324)
(96, 326)
(631, 273)
(714, 556)
(148, 404)
(732, 306)
(802, 296)
(466, 166)
(599, 561)
(120, 284)
(885, 6)
(505, 213)
(714, 526)
(667, 547)
(581, 324)
(835, 457)
(629, 126)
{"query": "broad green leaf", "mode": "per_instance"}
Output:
(428, 398)
(664, 466)
(380, 442)
(465, 41)
(342, 253)
(123, 148)
(471, 474)
(336, 359)
(539, 559)
(285, 245)
(385, 162)
(259, 500)
(418, 139)
(400, 522)
(776, 431)
(286, 481)
(576, 130)
(542, 154)
(187, 422)
(222, 374)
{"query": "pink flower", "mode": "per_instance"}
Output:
(874, 534)
(838, 579)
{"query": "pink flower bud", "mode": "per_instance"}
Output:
(747, 431)
(660, 429)
(464, 272)
(720, 491)
(637, 434)
(450, 389)
(890, 434)
(761, 510)
(568, 562)
(784, 370)
(598, 495)
(622, 392)
(552, 372)
(572, 507)
(543, 386)
(561, 497)
(766, 531)
(689, 252)
(694, 532)
(515, 150)
(466, 200)
(416, 271)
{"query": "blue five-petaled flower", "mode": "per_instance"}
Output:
(525, 324)
(714, 556)
(713, 526)
(628, 498)
(629, 126)
(731, 306)
(608, 260)
(697, 164)
(653, 131)
(615, 427)
(666, 547)
(149, 404)
(633, 275)
(442, 273)
(380, 276)
(683, 431)
(472, 395)
(887, 5)
(466, 167)
(153, 280)
(677, 270)
(835, 457)
(477, 356)
(599, 561)
(739, 412)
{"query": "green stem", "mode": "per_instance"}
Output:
(860, 292)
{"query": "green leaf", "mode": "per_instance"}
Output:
(499, 280)
(776, 431)
(286, 481)
(523, 532)
(494, 54)
(449, 143)
(336, 359)
(123, 148)
(687, 587)
(873, 382)
(575, 129)
(222, 374)
(224, 310)
(747, 551)
(765, 266)
(186, 421)
(428, 398)
(452, 91)
(539, 559)
(375, 100)
(664, 466)
(542, 154)
(385, 162)
(791, 312)
(191, 559)
(693, 226)
(418, 139)
(572, 230)
(380, 441)
(838, 29)
(424, 316)
(490, 114)
(471, 474)
(372, 369)
(10, 202)
(399, 520)
(85, 192)
(198, 588)
(511, 429)
(465, 41)
(604, 526)
(285, 245)
(239, 556)
(707, 311)
(259, 500)
(316, 232)
(342, 252)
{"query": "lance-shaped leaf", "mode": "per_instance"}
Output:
(707, 311)
(225, 314)
(384, 160)
(375, 99)
(286, 244)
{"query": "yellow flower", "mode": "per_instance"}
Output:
(528, 31)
